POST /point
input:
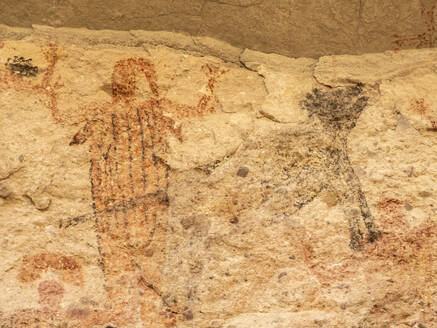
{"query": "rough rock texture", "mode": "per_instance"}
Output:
(144, 183)
(289, 27)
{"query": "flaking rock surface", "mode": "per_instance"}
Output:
(144, 186)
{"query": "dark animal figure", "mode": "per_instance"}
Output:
(338, 111)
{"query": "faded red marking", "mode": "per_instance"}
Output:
(400, 244)
(50, 293)
(402, 254)
(46, 87)
(406, 253)
(79, 313)
(45, 90)
(33, 266)
(421, 40)
(420, 107)
(393, 212)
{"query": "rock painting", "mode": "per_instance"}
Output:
(420, 107)
(250, 225)
(338, 112)
(33, 266)
(128, 179)
(309, 162)
(50, 311)
(20, 74)
(129, 186)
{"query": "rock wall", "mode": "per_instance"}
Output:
(288, 27)
(145, 182)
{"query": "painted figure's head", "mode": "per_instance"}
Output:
(125, 75)
(338, 109)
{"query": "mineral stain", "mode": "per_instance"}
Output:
(21, 66)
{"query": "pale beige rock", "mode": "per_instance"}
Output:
(256, 190)
(173, 40)
(372, 68)
(218, 48)
(284, 90)
(35, 148)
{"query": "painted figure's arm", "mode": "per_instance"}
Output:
(205, 104)
(85, 132)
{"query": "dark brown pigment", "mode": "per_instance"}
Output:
(338, 111)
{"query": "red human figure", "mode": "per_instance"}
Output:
(129, 183)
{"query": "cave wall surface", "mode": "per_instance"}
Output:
(147, 180)
(298, 28)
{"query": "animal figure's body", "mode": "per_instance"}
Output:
(338, 112)
(297, 163)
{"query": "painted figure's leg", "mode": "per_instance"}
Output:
(111, 233)
(147, 215)
(353, 215)
(358, 194)
(150, 261)
(349, 189)
(137, 226)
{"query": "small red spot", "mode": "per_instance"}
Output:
(50, 293)
(78, 313)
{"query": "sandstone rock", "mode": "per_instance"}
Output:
(163, 183)
(284, 90)
(4, 191)
(293, 28)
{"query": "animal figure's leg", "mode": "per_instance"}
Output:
(349, 189)
(354, 181)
